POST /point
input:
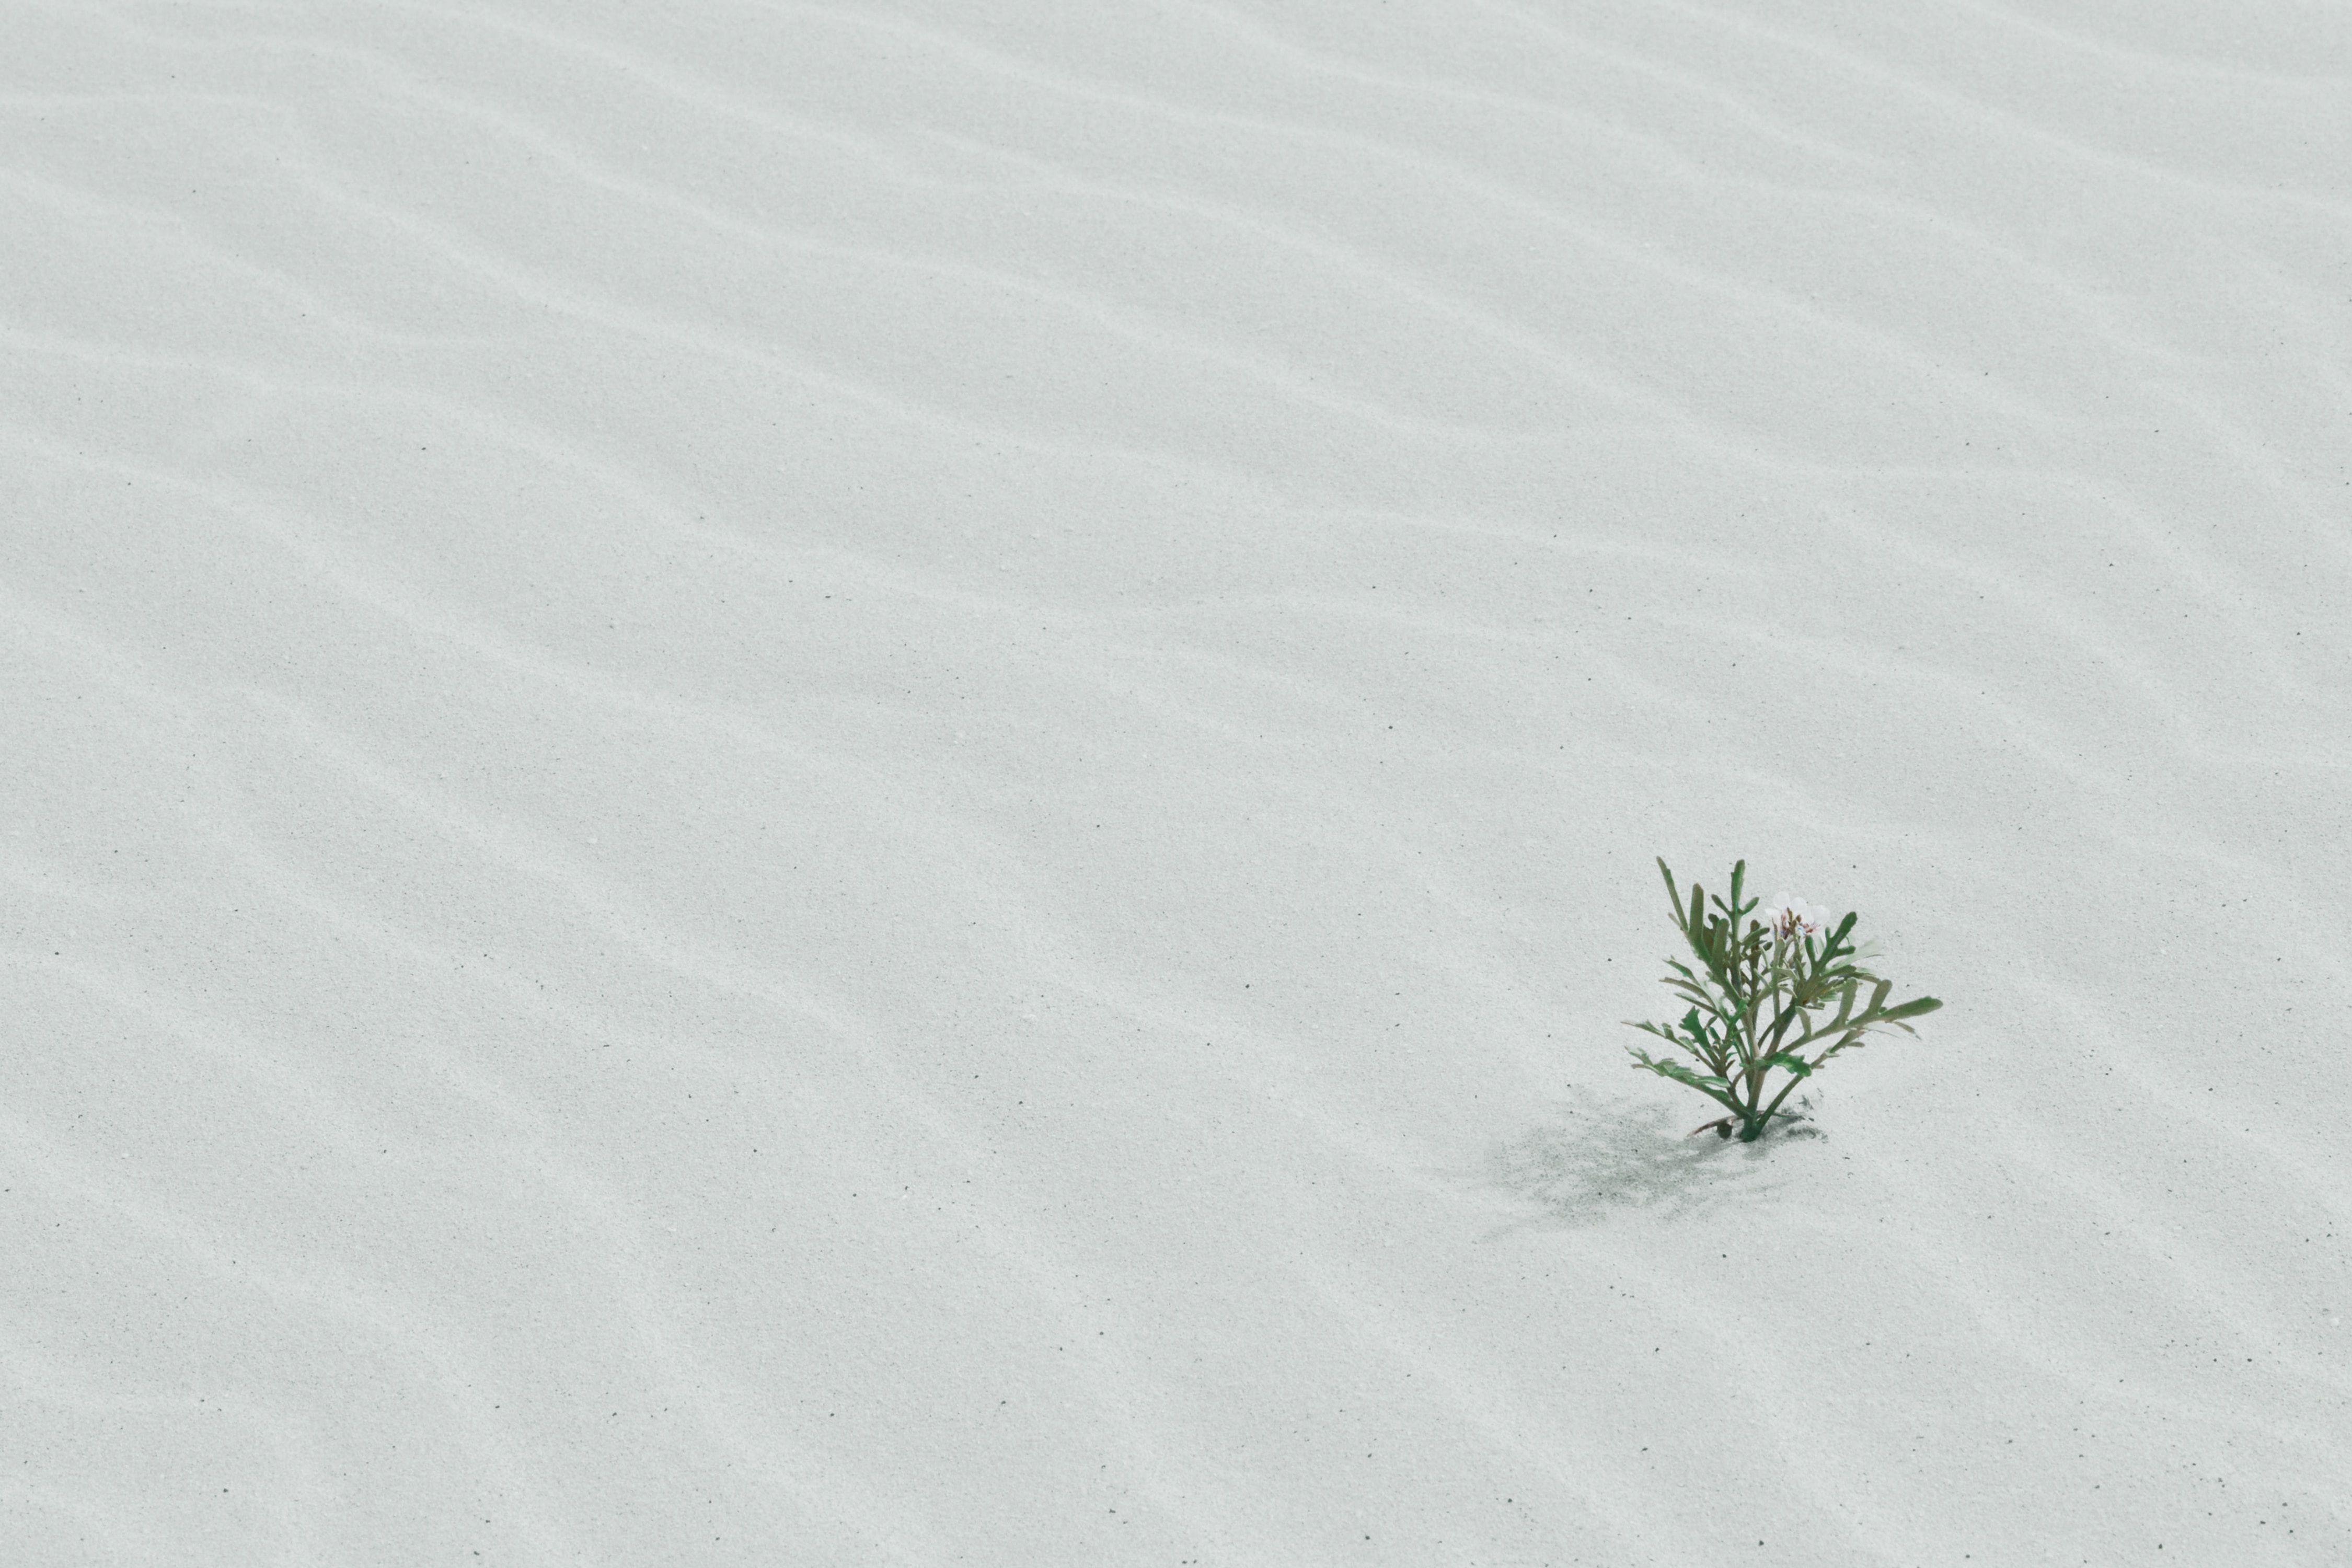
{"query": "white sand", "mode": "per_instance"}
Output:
(874, 783)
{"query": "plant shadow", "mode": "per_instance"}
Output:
(1599, 1159)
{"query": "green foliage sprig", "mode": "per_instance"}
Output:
(1755, 1000)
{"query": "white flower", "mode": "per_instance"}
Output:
(1788, 915)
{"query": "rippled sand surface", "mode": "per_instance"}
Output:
(876, 784)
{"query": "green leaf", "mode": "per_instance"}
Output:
(1850, 1038)
(1913, 1009)
(1714, 1089)
(1795, 1064)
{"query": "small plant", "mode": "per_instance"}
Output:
(1754, 1008)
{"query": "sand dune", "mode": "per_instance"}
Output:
(876, 784)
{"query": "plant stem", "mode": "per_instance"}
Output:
(1753, 1076)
